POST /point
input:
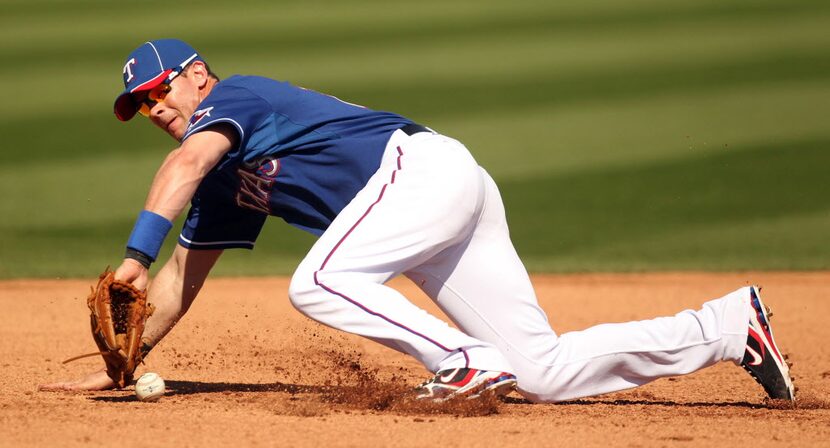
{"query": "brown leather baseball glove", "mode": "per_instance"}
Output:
(118, 312)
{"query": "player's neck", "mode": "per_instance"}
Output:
(205, 91)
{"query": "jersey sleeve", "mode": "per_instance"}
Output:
(215, 221)
(232, 105)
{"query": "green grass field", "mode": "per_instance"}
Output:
(625, 136)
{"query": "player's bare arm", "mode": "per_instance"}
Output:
(182, 172)
(176, 182)
(175, 288)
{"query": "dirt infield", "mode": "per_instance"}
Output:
(244, 368)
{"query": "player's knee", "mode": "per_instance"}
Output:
(311, 293)
(302, 290)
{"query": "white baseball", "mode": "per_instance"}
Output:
(149, 387)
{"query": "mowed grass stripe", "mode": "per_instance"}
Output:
(551, 54)
(762, 244)
(519, 92)
(109, 187)
(555, 140)
(82, 251)
(643, 207)
(92, 38)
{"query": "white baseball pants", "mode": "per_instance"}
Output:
(431, 213)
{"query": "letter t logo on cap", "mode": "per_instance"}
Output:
(127, 71)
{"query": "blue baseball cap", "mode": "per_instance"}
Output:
(149, 65)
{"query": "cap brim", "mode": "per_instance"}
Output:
(125, 106)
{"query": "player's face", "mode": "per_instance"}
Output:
(171, 106)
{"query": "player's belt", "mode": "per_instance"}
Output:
(412, 129)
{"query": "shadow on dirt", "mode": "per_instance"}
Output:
(623, 402)
(200, 387)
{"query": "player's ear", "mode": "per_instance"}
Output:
(199, 72)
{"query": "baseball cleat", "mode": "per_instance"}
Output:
(762, 358)
(468, 383)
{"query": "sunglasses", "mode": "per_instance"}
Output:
(155, 96)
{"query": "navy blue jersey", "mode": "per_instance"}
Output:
(302, 156)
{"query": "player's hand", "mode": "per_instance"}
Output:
(97, 380)
(131, 271)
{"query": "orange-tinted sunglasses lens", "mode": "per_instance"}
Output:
(157, 95)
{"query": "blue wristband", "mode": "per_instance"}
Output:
(149, 233)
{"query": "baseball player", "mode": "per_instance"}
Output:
(385, 196)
